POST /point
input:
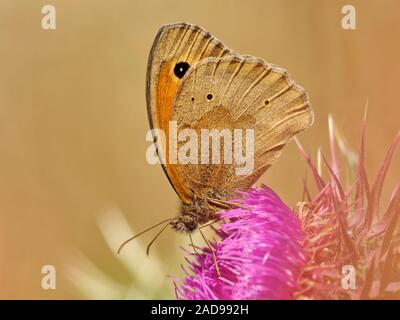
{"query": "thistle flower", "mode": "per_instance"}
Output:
(268, 251)
(260, 254)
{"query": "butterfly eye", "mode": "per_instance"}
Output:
(180, 69)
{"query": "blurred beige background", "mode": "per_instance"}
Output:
(73, 120)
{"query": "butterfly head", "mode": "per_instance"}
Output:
(195, 213)
(185, 223)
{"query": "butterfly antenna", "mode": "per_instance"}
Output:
(154, 239)
(144, 231)
(212, 251)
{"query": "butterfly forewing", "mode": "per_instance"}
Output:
(176, 50)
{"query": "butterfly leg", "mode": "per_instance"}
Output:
(209, 224)
(213, 253)
(226, 204)
(192, 244)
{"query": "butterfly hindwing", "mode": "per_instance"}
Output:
(239, 92)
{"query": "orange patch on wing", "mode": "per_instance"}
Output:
(166, 92)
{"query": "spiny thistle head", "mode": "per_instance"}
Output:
(346, 228)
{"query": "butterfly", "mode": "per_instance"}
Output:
(198, 82)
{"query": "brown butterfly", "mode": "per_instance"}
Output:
(195, 80)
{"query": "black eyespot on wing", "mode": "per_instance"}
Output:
(209, 96)
(180, 69)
